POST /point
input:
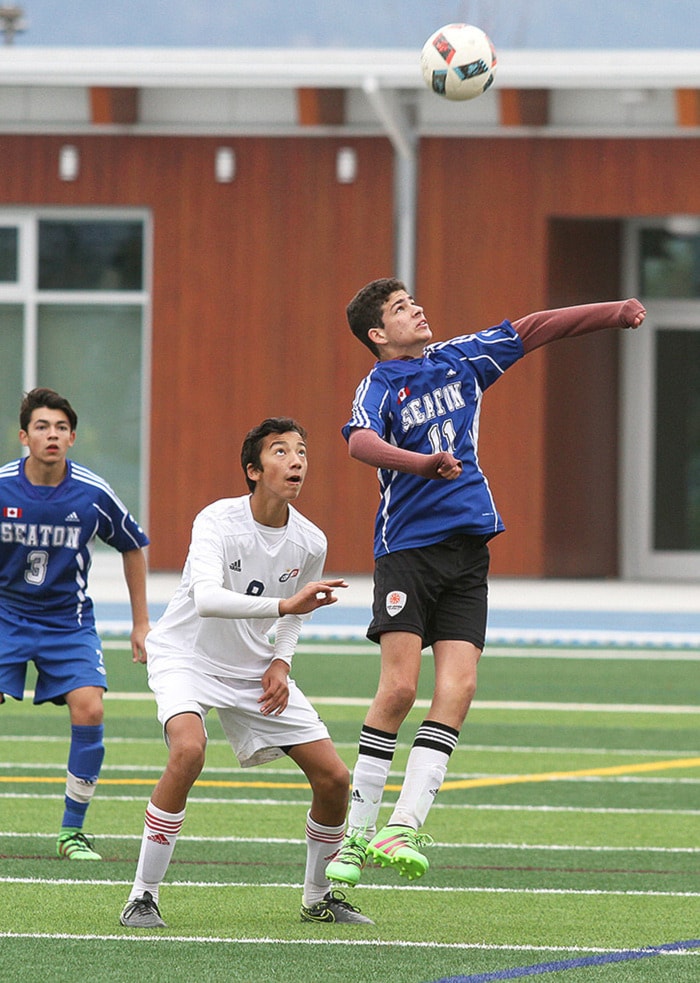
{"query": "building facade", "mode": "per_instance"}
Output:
(180, 232)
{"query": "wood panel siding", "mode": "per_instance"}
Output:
(253, 317)
(250, 282)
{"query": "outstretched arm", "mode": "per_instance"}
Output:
(542, 327)
(215, 601)
(368, 446)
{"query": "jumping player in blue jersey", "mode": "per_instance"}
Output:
(415, 418)
(51, 512)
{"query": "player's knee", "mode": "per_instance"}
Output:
(186, 757)
(86, 707)
(332, 785)
(468, 690)
(95, 715)
(399, 699)
(341, 780)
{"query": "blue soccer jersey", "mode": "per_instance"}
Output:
(47, 535)
(432, 404)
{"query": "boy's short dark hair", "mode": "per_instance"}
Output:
(252, 443)
(49, 398)
(365, 309)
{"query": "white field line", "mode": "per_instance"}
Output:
(524, 650)
(327, 637)
(196, 800)
(291, 841)
(421, 889)
(517, 705)
(564, 707)
(349, 745)
(156, 770)
(150, 940)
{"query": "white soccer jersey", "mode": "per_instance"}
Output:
(227, 549)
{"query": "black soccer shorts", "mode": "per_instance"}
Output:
(439, 592)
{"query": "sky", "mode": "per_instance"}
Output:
(356, 23)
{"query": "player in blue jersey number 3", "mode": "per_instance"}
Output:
(416, 419)
(51, 511)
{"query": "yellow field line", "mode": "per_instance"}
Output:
(489, 780)
(151, 781)
(553, 776)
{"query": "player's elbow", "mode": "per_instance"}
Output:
(362, 445)
(204, 602)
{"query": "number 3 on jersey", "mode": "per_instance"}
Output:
(37, 562)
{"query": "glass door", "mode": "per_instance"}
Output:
(660, 501)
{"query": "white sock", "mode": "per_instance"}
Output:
(322, 843)
(375, 754)
(368, 781)
(425, 773)
(160, 833)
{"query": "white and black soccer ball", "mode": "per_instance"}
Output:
(458, 62)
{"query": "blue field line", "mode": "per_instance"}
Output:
(539, 969)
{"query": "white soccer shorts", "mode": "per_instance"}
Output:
(254, 737)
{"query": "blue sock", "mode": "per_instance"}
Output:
(84, 763)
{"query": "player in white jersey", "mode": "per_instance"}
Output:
(254, 564)
(52, 510)
(415, 418)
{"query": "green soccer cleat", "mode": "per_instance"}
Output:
(346, 866)
(397, 846)
(142, 913)
(334, 908)
(73, 844)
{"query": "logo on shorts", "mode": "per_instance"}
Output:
(395, 602)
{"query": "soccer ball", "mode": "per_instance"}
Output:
(458, 62)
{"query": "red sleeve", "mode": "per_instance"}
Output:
(542, 327)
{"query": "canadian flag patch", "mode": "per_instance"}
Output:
(395, 602)
(11, 512)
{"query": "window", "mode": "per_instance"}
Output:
(9, 258)
(670, 260)
(89, 255)
(73, 316)
(677, 440)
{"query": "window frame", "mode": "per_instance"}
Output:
(25, 292)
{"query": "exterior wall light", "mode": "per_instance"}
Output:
(68, 162)
(346, 165)
(225, 165)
